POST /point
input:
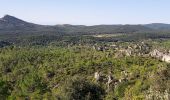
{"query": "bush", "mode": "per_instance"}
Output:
(4, 90)
(80, 89)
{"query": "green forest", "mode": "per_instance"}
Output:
(63, 67)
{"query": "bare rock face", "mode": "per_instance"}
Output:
(166, 58)
(97, 76)
(156, 53)
(161, 55)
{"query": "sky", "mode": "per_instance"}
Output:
(88, 12)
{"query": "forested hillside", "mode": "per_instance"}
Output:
(63, 67)
(76, 62)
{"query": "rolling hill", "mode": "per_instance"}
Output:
(12, 24)
(159, 26)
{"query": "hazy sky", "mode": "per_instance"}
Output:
(88, 12)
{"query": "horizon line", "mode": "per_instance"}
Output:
(81, 24)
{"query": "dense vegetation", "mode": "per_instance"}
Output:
(66, 73)
(42, 63)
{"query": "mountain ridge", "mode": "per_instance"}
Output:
(11, 23)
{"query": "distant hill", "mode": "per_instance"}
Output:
(12, 24)
(107, 28)
(159, 26)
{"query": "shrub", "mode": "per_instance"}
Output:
(4, 90)
(80, 89)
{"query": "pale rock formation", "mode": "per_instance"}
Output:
(160, 55)
(109, 82)
(166, 58)
(97, 76)
(157, 95)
